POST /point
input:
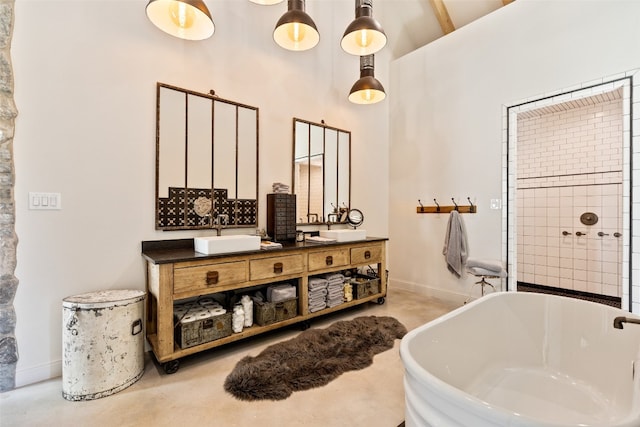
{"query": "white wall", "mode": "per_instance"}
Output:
(446, 131)
(85, 76)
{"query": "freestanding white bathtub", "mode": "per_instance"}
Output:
(523, 359)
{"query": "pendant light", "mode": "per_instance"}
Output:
(266, 2)
(185, 19)
(364, 36)
(296, 30)
(367, 90)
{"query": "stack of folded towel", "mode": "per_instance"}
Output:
(479, 267)
(317, 293)
(335, 289)
(280, 188)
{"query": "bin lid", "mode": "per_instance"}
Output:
(107, 298)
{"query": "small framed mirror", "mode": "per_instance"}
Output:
(206, 160)
(321, 172)
(355, 218)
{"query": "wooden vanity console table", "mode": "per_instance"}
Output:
(176, 272)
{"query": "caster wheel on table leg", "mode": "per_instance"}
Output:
(381, 300)
(171, 367)
(305, 325)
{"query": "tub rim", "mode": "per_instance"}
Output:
(477, 406)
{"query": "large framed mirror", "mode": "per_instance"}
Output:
(206, 160)
(321, 172)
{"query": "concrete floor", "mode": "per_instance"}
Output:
(194, 396)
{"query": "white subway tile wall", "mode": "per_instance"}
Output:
(302, 190)
(569, 163)
(588, 263)
(594, 168)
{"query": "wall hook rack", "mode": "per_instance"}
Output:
(471, 208)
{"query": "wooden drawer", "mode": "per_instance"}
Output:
(327, 259)
(366, 254)
(268, 268)
(208, 276)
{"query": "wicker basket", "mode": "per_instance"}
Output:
(266, 313)
(365, 286)
(286, 309)
(188, 334)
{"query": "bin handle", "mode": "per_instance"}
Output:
(72, 321)
(136, 327)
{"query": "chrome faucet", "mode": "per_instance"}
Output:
(618, 321)
(221, 221)
(309, 215)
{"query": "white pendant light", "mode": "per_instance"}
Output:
(367, 90)
(296, 30)
(185, 19)
(364, 36)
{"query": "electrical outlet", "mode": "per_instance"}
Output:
(496, 204)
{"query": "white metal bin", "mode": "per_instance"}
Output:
(102, 343)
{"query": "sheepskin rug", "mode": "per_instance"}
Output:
(313, 358)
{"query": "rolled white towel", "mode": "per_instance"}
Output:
(317, 283)
(335, 294)
(316, 307)
(317, 299)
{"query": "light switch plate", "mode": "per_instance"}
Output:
(45, 201)
(496, 204)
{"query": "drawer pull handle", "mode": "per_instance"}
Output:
(277, 268)
(212, 278)
(329, 260)
(367, 254)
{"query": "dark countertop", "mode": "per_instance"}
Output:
(180, 250)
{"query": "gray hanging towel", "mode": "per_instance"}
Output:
(455, 248)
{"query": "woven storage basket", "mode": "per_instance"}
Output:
(264, 312)
(286, 309)
(365, 286)
(203, 330)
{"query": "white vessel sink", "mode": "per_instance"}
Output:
(344, 235)
(226, 244)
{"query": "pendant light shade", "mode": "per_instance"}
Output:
(185, 19)
(364, 36)
(367, 90)
(296, 30)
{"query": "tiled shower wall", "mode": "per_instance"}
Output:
(304, 186)
(569, 163)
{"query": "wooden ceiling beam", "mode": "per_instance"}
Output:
(442, 15)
